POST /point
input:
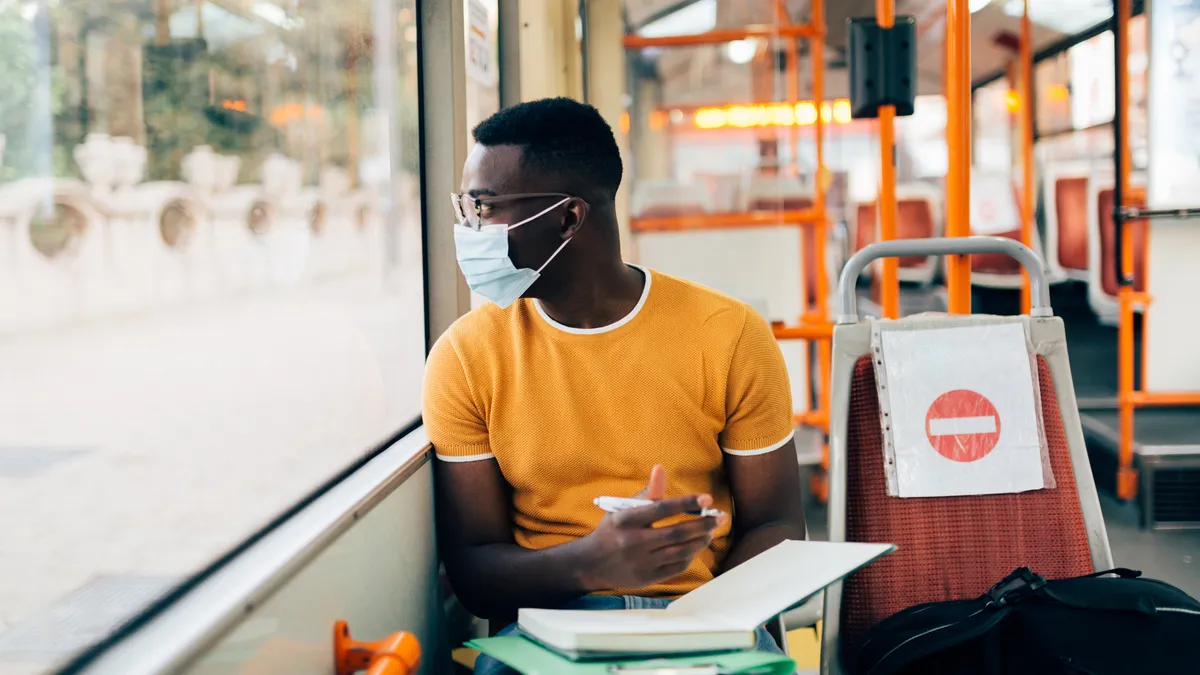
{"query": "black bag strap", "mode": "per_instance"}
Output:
(1019, 585)
(1147, 596)
(1123, 572)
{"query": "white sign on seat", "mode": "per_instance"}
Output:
(993, 203)
(959, 410)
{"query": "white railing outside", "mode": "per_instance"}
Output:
(112, 244)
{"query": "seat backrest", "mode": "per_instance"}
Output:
(1108, 239)
(996, 209)
(914, 220)
(775, 192)
(950, 548)
(1070, 214)
(864, 224)
(666, 199)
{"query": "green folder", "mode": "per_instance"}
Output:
(529, 658)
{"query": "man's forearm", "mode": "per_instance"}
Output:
(495, 580)
(758, 539)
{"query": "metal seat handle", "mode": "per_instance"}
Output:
(940, 246)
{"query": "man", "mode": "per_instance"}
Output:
(587, 377)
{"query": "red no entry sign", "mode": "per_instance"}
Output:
(962, 425)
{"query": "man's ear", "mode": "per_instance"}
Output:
(574, 217)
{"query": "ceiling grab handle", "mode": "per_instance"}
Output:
(396, 654)
(1039, 289)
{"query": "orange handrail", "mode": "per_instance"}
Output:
(889, 283)
(1027, 204)
(813, 331)
(958, 142)
(723, 221)
(723, 35)
(1146, 399)
(396, 654)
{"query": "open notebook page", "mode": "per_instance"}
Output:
(752, 593)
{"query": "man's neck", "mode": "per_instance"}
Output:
(599, 297)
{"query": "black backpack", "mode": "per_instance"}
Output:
(1026, 625)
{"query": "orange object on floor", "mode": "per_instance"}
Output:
(396, 654)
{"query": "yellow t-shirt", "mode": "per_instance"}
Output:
(572, 414)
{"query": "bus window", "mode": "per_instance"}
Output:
(211, 296)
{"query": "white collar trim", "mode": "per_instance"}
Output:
(603, 329)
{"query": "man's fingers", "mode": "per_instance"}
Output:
(656, 487)
(644, 516)
(678, 533)
(682, 551)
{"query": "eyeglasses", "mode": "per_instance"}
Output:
(473, 211)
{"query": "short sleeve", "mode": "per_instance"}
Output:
(452, 418)
(758, 394)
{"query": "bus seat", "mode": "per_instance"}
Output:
(1102, 277)
(1070, 215)
(773, 192)
(776, 192)
(1108, 276)
(669, 199)
(918, 216)
(865, 225)
(1066, 210)
(725, 188)
(996, 270)
(953, 547)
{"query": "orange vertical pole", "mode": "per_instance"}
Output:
(958, 141)
(1126, 474)
(1026, 147)
(885, 16)
(824, 347)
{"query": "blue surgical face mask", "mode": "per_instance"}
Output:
(483, 258)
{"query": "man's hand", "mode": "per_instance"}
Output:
(629, 552)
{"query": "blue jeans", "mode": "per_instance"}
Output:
(486, 665)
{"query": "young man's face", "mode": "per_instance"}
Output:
(508, 194)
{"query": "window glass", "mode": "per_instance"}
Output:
(483, 81)
(1052, 100)
(995, 107)
(921, 151)
(210, 286)
(1067, 17)
(1093, 81)
(483, 59)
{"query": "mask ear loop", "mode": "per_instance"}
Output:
(556, 252)
(541, 213)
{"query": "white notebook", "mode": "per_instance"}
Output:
(718, 616)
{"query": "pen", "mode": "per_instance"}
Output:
(614, 504)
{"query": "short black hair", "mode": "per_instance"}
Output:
(559, 136)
